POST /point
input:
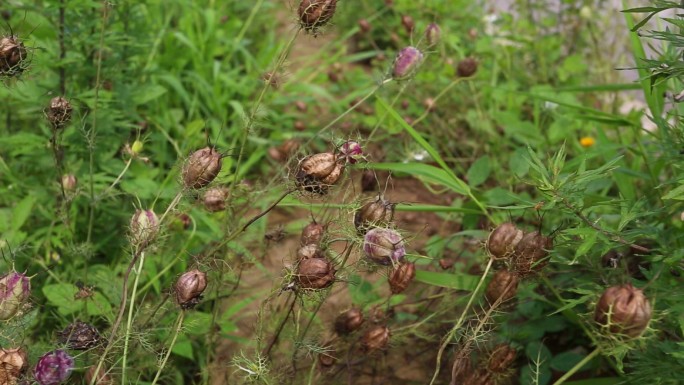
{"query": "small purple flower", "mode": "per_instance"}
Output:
(384, 246)
(53, 368)
(406, 62)
(351, 151)
(15, 289)
(433, 34)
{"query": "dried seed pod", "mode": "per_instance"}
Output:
(376, 338)
(384, 246)
(531, 253)
(13, 56)
(503, 285)
(144, 227)
(461, 369)
(283, 152)
(623, 310)
(467, 67)
(314, 14)
(406, 63)
(365, 26)
(59, 111)
(350, 152)
(80, 336)
(312, 234)
(368, 181)
(312, 250)
(433, 34)
(315, 273)
(15, 289)
(379, 212)
(13, 362)
(502, 240)
(501, 358)
(69, 182)
(480, 377)
(408, 23)
(349, 321)
(215, 199)
(446, 263)
(401, 277)
(316, 173)
(53, 368)
(327, 359)
(201, 168)
(102, 377)
(189, 288)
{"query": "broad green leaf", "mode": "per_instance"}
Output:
(451, 281)
(565, 361)
(183, 347)
(97, 305)
(479, 171)
(61, 295)
(22, 211)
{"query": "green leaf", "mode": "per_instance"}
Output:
(147, 94)
(183, 347)
(197, 323)
(21, 212)
(565, 361)
(518, 163)
(479, 171)
(451, 281)
(676, 194)
(61, 295)
(430, 174)
(97, 305)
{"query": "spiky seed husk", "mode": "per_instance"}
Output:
(503, 285)
(349, 321)
(15, 289)
(13, 362)
(376, 338)
(379, 212)
(144, 227)
(502, 240)
(531, 254)
(406, 63)
(189, 288)
(401, 277)
(314, 14)
(433, 34)
(201, 168)
(624, 310)
(59, 111)
(13, 56)
(315, 273)
(502, 358)
(69, 182)
(215, 199)
(80, 336)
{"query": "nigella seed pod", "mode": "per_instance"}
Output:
(144, 227)
(326, 359)
(406, 63)
(349, 321)
(461, 369)
(384, 246)
(467, 67)
(80, 336)
(368, 181)
(316, 173)
(189, 288)
(215, 199)
(13, 56)
(376, 213)
(315, 273)
(376, 338)
(401, 277)
(433, 34)
(502, 240)
(15, 289)
(314, 14)
(53, 368)
(69, 182)
(201, 168)
(59, 111)
(351, 152)
(365, 26)
(312, 250)
(408, 23)
(102, 377)
(14, 362)
(312, 234)
(501, 358)
(503, 285)
(623, 310)
(531, 253)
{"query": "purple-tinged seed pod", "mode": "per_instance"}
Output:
(53, 368)
(189, 288)
(384, 246)
(202, 167)
(433, 34)
(406, 63)
(15, 289)
(351, 151)
(144, 227)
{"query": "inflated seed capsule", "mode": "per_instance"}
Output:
(58, 113)
(202, 167)
(376, 338)
(13, 362)
(315, 273)
(466, 67)
(502, 240)
(69, 182)
(406, 63)
(349, 321)
(80, 336)
(144, 227)
(501, 358)
(215, 199)
(15, 289)
(314, 14)
(623, 310)
(401, 277)
(503, 285)
(189, 288)
(531, 253)
(316, 173)
(376, 213)
(312, 234)
(384, 246)
(433, 34)
(53, 368)
(12, 56)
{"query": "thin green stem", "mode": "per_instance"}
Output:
(116, 181)
(436, 99)
(179, 324)
(129, 322)
(577, 367)
(384, 116)
(459, 323)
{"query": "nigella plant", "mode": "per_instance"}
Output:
(15, 289)
(53, 368)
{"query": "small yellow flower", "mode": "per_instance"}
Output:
(587, 141)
